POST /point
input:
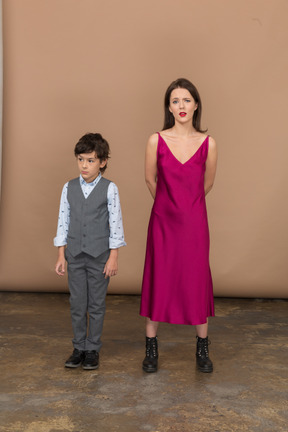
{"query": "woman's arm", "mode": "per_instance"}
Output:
(151, 164)
(211, 164)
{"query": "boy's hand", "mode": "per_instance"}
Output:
(60, 264)
(60, 267)
(111, 266)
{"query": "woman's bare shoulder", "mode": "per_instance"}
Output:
(212, 142)
(153, 140)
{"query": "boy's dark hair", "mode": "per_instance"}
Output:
(93, 142)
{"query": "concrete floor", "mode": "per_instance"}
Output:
(247, 391)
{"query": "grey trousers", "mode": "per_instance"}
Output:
(88, 289)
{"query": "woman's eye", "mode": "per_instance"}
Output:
(187, 100)
(175, 102)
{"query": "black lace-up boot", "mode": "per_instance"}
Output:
(150, 363)
(202, 355)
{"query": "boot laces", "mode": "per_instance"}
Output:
(151, 349)
(203, 348)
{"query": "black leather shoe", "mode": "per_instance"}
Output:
(91, 360)
(75, 359)
(150, 362)
(204, 363)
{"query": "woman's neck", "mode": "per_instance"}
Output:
(183, 130)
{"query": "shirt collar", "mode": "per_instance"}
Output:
(84, 183)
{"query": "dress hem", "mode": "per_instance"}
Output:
(177, 323)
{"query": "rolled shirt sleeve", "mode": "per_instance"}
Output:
(63, 219)
(116, 238)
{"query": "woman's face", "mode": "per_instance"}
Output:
(182, 105)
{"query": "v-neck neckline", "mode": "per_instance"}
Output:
(191, 157)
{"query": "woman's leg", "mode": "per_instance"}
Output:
(202, 330)
(151, 328)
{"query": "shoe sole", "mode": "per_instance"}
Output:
(150, 370)
(90, 367)
(73, 366)
(205, 370)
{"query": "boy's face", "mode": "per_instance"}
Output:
(89, 166)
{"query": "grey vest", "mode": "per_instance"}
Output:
(89, 219)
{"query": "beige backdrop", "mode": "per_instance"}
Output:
(75, 66)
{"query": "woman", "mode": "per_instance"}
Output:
(180, 169)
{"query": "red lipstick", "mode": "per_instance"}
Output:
(182, 114)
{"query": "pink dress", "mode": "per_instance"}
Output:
(177, 285)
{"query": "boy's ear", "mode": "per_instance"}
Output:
(103, 163)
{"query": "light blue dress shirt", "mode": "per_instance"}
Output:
(116, 238)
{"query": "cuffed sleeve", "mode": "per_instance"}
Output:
(116, 238)
(63, 219)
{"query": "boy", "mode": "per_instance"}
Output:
(89, 233)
